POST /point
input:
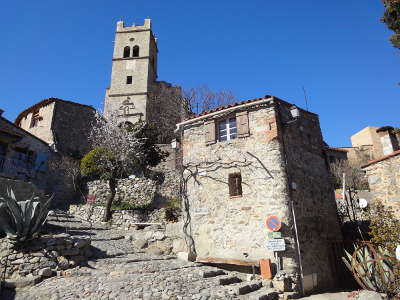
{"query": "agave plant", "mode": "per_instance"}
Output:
(374, 268)
(22, 220)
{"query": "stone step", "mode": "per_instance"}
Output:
(227, 279)
(211, 273)
(244, 287)
(263, 294)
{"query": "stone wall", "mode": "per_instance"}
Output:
(140, 190)
(64, 125)
(384, 181)
(22, 190)
(43, 256)
(281, 160)
(232, 228)
(122, 219)
(71, 127)
(311, 191)
(15, 165)
(368, 137)
(43, 129)
(165, 108)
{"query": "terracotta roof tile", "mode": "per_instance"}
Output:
(221, 108)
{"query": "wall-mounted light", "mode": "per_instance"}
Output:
(174, 144)
(294, 111)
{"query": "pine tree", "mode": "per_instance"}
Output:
(391, 17)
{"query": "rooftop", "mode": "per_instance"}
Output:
(222, 108)
(44, 103)
(395, 153)
(20, 129)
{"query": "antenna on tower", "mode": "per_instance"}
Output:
(305, 97)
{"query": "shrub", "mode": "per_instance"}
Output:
(127, 206)
(173, 210)
(22, 220)
(97, 164)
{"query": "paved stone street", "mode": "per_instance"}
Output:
(118, 272)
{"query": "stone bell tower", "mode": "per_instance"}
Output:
(134, 70)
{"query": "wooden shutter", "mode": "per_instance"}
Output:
(242, 123)
(209, 131)
(238, 181)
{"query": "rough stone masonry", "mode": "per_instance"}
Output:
(277, 167)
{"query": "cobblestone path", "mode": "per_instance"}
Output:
(117, 272)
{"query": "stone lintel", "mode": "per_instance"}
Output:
(130, 58)
(134, 30)
(128, 94)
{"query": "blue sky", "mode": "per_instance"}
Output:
(338, 50)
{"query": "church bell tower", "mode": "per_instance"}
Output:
(134, 70)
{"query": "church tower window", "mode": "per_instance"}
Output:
(135, 51)
(129, 80)
(127, 50)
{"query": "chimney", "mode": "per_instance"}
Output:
(388, 139)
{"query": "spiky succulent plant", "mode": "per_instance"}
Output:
(22, 220)
(374, 268)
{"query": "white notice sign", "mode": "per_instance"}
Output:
(200, 211)
(276, 245)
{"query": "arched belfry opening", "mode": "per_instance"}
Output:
(135, 51)
(127, 51)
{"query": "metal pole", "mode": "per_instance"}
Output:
(298, 247)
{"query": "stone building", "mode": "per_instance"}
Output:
(371, 143)
(251, 160)
(23, 156)
(134, 93)
(336, 154)
(384, 173)
(369, 139)
(63, 124)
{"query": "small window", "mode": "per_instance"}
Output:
(235, 184)
(129, 80)
(3, 152)
(135, 51)
(127, 51)
(227, 130)
(23, 158)
(35, 119)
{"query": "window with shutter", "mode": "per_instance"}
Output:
(227, 130)
(242, 120)
(235, 184)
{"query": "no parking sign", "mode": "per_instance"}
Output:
(273, 223)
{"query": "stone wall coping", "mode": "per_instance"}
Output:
(395, 153)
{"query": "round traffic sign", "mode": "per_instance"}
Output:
(273, 223)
